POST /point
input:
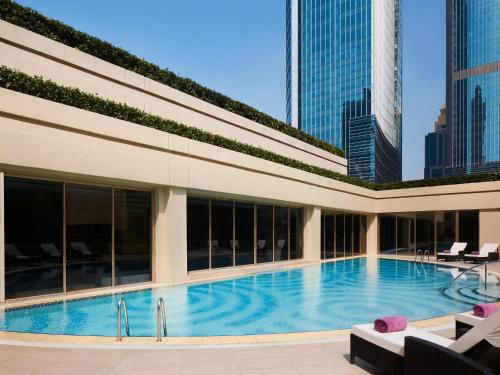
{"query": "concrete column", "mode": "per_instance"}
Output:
(312, 233)
(2, 239)
(170, 257)
(488, 226)
(372, 235)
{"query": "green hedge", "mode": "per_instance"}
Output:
(36, 22)
(37, 86)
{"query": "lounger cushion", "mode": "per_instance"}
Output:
(395, 341)
(468, 318)
(488, 329)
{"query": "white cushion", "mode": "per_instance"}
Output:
(395, 341)
(488, 329)
(476, 255)
(468, 318)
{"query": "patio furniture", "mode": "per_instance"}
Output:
(51, 250)
(388, 351)
(454, 253)
(489, 251)
(464, 322)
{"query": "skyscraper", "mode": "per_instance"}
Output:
(435, 147)
(473, 86)
(344, 83)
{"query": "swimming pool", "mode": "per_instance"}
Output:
(328, 296)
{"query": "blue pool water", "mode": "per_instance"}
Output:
(321, 297)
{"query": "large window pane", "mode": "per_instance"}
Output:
(387, 229)
(295, 233)
(405, 235)
(244, 242)
(264, 233)
(197, 233)
(33, 237)
(339, 235)
(425, 232)
(348, 235)
(355, 234)
(329, 236)
(222, 234)
(323, 217)
(469, 229)
(445, 230)
(88, 237)
(132, 236)
(280, 233)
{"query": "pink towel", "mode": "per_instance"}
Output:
(447, 251)
(482, 310)
(390, 324)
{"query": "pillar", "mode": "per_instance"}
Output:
(170, 256)
(372, 235)
(2, 239)
(312, 233)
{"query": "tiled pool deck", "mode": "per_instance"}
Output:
(295, 353)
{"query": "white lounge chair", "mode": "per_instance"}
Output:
(487, 252)
(81, 248)
(51, 249)
(465, 321)
(280, 244)
(387, 351)
(454, 252)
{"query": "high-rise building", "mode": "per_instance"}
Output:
(435, 147)
(473, 86)
(344, 83)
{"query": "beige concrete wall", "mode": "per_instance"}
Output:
(312, 233)
(372, 235)
(176, 248)
(2, 239)
(160, 234)
(36, 55)
(489, 226)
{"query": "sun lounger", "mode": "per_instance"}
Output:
(453, 253)
(489, 251)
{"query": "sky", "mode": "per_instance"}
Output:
(237, 47)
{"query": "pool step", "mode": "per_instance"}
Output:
(472, 296)
(491, 293)
(472, 293)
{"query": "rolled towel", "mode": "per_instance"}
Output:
(446, 251)
(390, 324)
(482, 310)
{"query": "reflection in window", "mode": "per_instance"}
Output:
(88, 237)
(222, 233)
(339, 235)
(295, 233)
(197, 233)
(387, 229)
(33, 237)
(348, 235)
(264, 233)
(280, 233)
(469, 229)
(243, 243)
(132, 236)
(329, 236)
(425, 231)
(445, 230)
(355, 234)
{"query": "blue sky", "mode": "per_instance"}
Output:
(237, 47)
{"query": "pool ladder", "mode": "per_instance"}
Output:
(121, 306)
(422, 255)
(160, 319)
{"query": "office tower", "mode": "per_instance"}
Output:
(343, 74)
(435, 147)
(473, 86)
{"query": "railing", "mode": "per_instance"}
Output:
(422, 255)
(419, 252)
(485, 265)
(121, 304)
(160, 319)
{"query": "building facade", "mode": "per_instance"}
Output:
(344, 80)
(435, 143)
(473, 86)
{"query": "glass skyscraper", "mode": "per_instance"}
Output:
(473, 86)
(344, 83)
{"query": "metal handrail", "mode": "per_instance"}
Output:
(428, 253)
(121, 303)
(160, 319)
(484, 264)
(419, 251)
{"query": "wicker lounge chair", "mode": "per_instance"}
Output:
(489, 251)
(454, 253)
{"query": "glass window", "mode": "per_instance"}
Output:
(88, 237)
(280, 233)
(405, 235)
(244, 239)
(295, 233)
(425, 232)
(322, 255)
(264, 233)
(197, 233)
(222, 234)
(33, 237)
(132, 236)
(445, 230)
(356, 234)
(348, 235)
(469, 229)
(339, 235)
(387, 224)
(329, 236)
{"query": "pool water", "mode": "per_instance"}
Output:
(328, 296)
